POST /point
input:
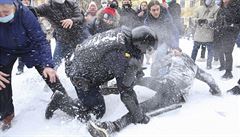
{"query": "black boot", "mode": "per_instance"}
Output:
(98, 129)
(227, 75)
(235, 90)
(68, 105)
(54, 104)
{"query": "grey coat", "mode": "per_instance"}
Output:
(205, 32)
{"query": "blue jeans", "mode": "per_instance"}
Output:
(209, 46)
(65, 50)
(20, 66)
(62, 51)
(238, 41)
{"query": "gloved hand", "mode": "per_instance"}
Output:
(201, 22)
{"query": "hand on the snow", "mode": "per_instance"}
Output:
(50, 74)
(3, 80)
(67, 23)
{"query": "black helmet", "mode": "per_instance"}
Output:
(144, 38)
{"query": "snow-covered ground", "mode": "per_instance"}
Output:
(202, 116)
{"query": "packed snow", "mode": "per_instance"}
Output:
(203, 115)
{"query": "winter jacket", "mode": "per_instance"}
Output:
(55, 12)
(227, 24)
(129, 18)
(23, 37)
(175, 11)
(103, 57)
(164, 27)
(142, 18)
(99, 26)
(204, 32)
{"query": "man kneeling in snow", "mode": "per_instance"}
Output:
(112, 54)
(171, 88)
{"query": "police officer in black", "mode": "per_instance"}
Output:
(112, 54)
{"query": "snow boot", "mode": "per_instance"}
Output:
(19, 72)
(227, 75)
(68, 105)
(98, 129)
(7, 122)
(235, 90)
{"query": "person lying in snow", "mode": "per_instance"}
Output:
(170, 88)
(112, 54)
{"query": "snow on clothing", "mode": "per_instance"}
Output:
(175, 11)
(23, 37)
(129, 18)
(227, 26)
(66, 38)
(171, 88)
(101, 58)
(55, 12)
(164, 27)
(204, 32)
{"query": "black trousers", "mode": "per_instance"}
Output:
(167, 94)
(6, 102)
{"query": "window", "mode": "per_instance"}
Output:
(182, 3)
(192, 3)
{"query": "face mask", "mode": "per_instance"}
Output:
(59, 1)
(7, 18)
(126, 6)
(104, 5)
(208, 2)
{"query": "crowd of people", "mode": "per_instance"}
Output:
(109, 41)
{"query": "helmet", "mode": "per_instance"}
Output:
(144, 38)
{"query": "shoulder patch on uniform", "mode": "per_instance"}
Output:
(127, 55)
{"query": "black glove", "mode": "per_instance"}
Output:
(202, 22)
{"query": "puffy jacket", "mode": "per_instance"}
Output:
(23, 37)
(204, 33)
(175, 11)
(55, 12)
(227, 24)
(164, 27)
(129, 18)
(102, 57)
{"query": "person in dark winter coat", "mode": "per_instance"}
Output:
(112, 54)
(107, 18)
(227, 27)
(171, 89)
(66, 19)
(142, 11)
(175, 11)
(21, 36)
(20, 66)
(128, 16)
(161, 22)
